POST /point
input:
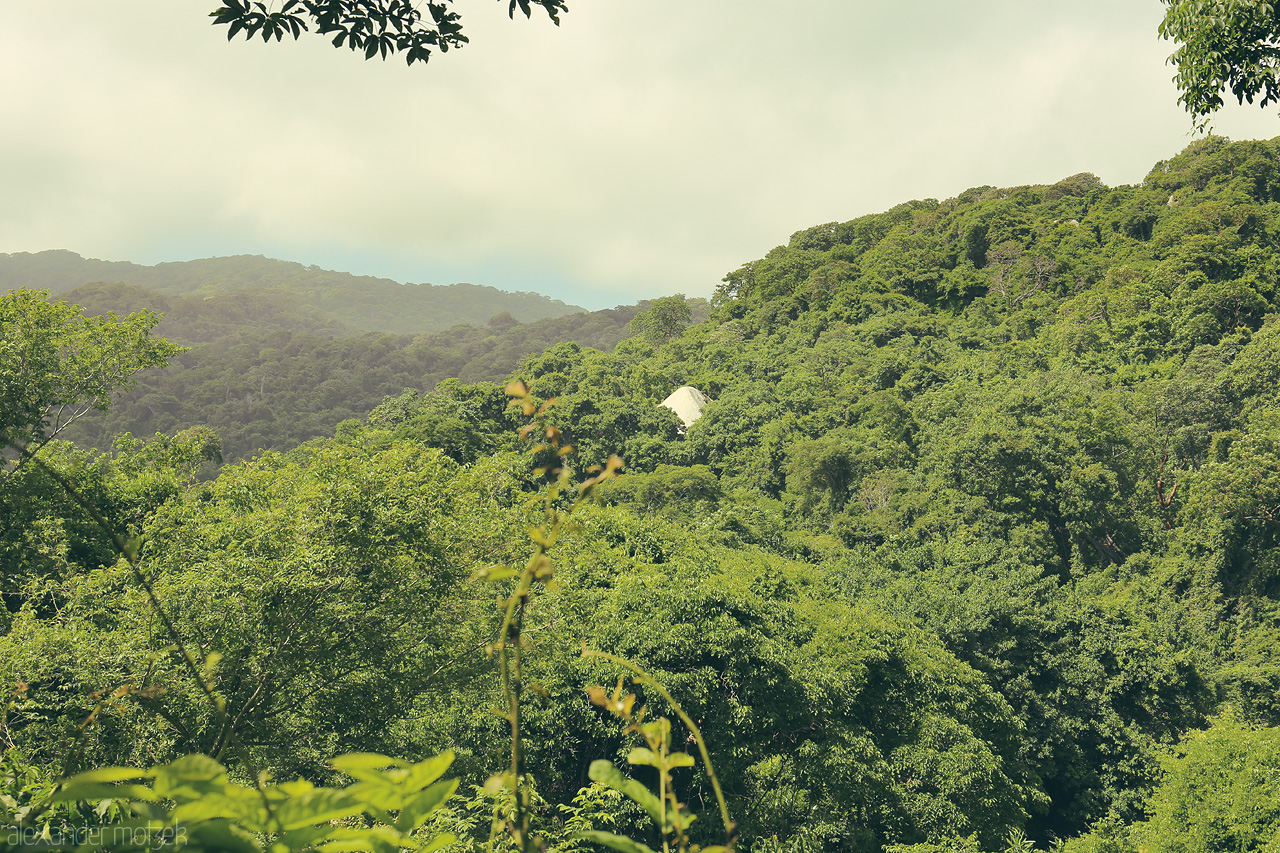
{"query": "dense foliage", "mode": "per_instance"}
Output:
(269, 373)
(974, 545)
(278, 353)
(265, 386)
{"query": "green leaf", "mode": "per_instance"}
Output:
(300, 839)
(317, 806)
(615, 842)
(223, 836)
(445, 839)
(425, 772)
(679, 759)
(492, 574)
(190, 777)
(296, 788)
(645, 757)
(378, 794)
(241, 805)
(603, 771)
(499, 782)
(380, 839)
(417, 807)
(366, 765)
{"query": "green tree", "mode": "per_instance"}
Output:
(664, 319)
(327, 585)
(822, 471)
(824, 718)
(1220, 793)
(1232, 511)
(56, 366)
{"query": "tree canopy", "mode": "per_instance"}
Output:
(57, 365)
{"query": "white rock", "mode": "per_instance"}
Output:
(687, 402)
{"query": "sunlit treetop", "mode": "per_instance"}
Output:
(375, 27)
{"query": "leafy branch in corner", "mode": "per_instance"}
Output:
(374, 27)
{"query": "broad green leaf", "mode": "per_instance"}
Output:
(307, 836)
(659, 729)
(679, 759)
(195, 767)
(603, 771)
(223, 836)
(366, 761)
(380, 839)
(445, 839)
(366, 765)
(417, 807)
(615, 842)
(233, 807)
(150, 812)
(493, 574)
(499, 782)
(296, 788)
(425, 772)
(379, 794)
(317, 806)
(643, 756)
(190, 777)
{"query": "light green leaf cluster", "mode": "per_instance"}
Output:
(191, 804)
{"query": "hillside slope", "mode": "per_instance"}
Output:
(978, 535)
(363, 303)
(1040, 422)
(268, 374)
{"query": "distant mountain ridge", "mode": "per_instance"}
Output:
(198, 320)
(265, 377)
(346, 302)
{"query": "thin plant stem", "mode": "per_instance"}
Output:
(642, 677)
(509, 647)
(130, 553)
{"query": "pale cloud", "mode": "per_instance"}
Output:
(640, 149)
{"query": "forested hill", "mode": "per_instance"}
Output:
(282, 353)
(198, 320)
(1040, 423)
(975, 548)
(268, 373)
(362, 303)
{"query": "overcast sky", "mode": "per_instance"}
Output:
(640, 149)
